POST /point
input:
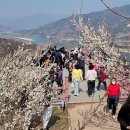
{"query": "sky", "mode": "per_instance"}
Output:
(21, 8)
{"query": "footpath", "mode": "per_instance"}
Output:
(80, 107)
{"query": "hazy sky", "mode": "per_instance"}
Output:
(20, 8)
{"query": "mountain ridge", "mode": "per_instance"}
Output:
(29, 22)
(63, 28)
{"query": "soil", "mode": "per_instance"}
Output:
(102, 120)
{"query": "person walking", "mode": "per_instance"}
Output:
(70, 69)
(113, 92)
(91, 75)
(76, 77)
(81, 63)
(102, 78)
(124, 115)
(59, 76)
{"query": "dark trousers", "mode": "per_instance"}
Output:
(83, 71)
(99, 83)
(91, 87)
(70, 75)
(59, 82)
(62, 63)
(112, 103)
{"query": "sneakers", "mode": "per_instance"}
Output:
(76, 95)
(110, 112)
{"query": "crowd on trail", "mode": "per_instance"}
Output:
(76, 61)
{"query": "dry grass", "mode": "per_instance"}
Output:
(58, 121)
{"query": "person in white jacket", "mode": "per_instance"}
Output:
(91, 76)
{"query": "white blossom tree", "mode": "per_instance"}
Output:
(106, 53)
(101, 40)
(23, 90)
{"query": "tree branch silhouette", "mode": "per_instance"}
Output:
(116, 13)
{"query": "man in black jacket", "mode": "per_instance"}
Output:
(81, 63)
(124, 115)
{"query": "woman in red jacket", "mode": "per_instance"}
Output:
(113, 92)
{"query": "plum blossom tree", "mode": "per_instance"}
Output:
(101, 40)
(23, 90)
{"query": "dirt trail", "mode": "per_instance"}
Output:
(101, 121)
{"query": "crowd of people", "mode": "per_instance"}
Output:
(54, 60)
(74, 61)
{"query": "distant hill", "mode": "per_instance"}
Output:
(64, 28)
(59, 28)
(9, 46)
(4, 29)
(29, 22)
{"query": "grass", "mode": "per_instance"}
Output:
(58, 121)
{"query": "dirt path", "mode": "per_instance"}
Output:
(101, 121)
